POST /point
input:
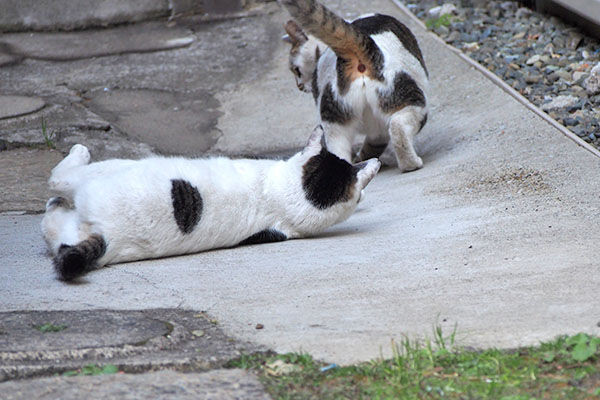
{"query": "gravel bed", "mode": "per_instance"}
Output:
(554, 65)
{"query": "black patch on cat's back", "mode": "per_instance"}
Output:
(405, 92)
(187, 204)
(266, 236)
(327, 180)
(333, 110)
(384, 23)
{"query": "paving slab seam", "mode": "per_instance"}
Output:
(503, 85)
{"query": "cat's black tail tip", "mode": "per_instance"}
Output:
(70, 263)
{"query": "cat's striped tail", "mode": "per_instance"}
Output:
(343, 38)
(73, 261)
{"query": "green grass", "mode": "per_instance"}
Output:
(444, 20)
(567, 368)
(50, 327)
(49, 136)
(92, 370)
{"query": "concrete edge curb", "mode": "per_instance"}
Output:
(499, 82)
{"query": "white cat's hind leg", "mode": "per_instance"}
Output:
(60, 224)
(63, 174)
(403, 127)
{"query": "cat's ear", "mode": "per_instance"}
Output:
(365, 171)
(295, 34)
(316, 141)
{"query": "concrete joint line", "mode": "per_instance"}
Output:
(499, 82)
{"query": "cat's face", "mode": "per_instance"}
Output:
(331, 186)
(304, 55)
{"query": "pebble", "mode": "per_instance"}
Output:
(592, 85)
(555, 65)
(560, 102)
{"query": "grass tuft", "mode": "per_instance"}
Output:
(50, 327)
(434, 23)
(49, 136)
(93, 370)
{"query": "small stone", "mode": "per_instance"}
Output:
(440, 11)
(592, 85)
(453, 36)
(574, 40)
(532, 78)
(532, 60)
(579, 76)
(562, 74)
(560, 102)
(441, 30)
(571, 121)
(523, 12)
(473, 46)
(198, 333)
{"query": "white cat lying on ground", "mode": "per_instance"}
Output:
(127, 210)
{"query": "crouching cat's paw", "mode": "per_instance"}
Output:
(410, 165)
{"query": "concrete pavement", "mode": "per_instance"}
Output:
(496, 235)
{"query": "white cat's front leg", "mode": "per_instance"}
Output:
(339, 139)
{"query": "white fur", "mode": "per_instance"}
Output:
(129, 202)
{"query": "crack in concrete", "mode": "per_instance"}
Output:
(154, 285)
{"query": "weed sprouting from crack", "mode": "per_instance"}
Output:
(49, 136)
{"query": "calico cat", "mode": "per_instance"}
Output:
(127, 210)
(367, 76)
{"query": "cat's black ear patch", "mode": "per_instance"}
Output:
(327, 180)
(266, 236)
(187, 204)
(332, 110)
(405, 93)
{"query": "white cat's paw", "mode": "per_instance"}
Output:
(80, 154)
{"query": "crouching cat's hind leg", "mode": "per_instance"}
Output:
(64, 175)
(403, 127)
